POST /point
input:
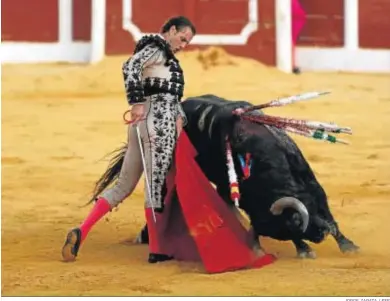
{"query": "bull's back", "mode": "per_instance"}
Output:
(209, 118)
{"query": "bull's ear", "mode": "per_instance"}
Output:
(290, 202)
(295, 221)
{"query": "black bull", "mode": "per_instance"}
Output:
(282, 196)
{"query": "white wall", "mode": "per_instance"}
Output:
(343, 59)
(65, 50)
(16, 52)
(283, 35)
(348, 58)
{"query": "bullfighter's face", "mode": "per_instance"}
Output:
(179, 39)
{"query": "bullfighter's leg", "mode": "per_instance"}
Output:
(159, 139)
(303, 249)
(143, 237)
(129, 176)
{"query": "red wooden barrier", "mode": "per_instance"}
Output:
(29, 21)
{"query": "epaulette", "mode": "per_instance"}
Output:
(156, 40)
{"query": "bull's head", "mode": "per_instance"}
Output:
(298, 220)
(318, 229)
(281, 195)
(290, 218)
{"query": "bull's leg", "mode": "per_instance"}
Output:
(344, 243)
(256, 246)
(303, 249)
(224, 193)
(143, 236)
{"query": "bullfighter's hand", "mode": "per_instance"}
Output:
(179, 125)
(137, 113)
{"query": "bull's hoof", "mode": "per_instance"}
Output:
(140, 239)
(304, 250)
(307, 254)
(154, 258)
(349, 247)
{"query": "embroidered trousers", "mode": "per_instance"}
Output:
(158, 133)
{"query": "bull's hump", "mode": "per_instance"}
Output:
(203, 116)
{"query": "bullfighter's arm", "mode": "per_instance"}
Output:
(132, 73)
(182, 114)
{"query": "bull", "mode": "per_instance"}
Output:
(282, 197)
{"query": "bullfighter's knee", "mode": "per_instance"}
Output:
(116, 195)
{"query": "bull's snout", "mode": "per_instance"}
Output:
(291, 202)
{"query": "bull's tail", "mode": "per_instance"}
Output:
(111, 174)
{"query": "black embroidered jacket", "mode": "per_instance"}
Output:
(152, 69)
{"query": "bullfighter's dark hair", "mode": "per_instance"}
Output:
(179, 22)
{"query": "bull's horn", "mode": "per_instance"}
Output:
(278, 207)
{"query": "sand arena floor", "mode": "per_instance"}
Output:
(59, 120)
